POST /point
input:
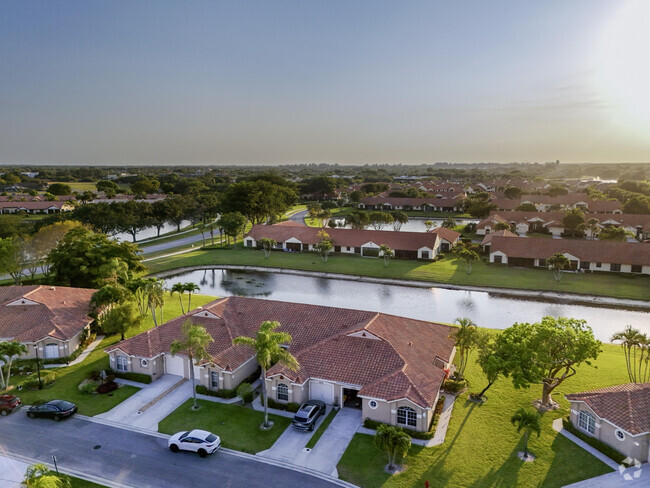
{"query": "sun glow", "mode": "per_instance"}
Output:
(623, 64)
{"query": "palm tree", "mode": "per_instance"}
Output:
(40, 476)
(267, 244)
(180, 289)
(466, 338)
(8, 351)
(386, 252)
(155, 299)
(557, 262)
(592, 226)
(203, 229)
(529, 421)
(190, 288)
(195, 346)
(267, 345)
(393, 441)
(633, 341)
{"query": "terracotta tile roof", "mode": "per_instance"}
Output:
(571, 199)
(586, 250)
(450, 202)
(35, 205)
(626, 220)
(500, 233)
(448, 235)
(410, 241)
(322, 343)
(626, 406)
(58, 312)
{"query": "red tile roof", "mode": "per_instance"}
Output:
(58, 312)
(626, 406)
(448, 235)
(397, 363)
(35, 205)
(500, 233)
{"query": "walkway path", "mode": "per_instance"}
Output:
(91, 347)
(557, 425)
(634, 477)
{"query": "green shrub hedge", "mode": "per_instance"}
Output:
(425, 436)
(245, 392)
(139, 377)
(203, 390)
(607, 450)
(47, 378)
(454, 386)
(289, 407)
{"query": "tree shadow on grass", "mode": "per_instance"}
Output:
(504, 476)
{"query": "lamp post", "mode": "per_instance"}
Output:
(38, 368)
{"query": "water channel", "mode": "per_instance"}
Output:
(434, 304)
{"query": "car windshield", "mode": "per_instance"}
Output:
(211, 438)
(183, 435)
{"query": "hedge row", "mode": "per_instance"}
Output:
(139, 377)
(607, 450)
(289, 407)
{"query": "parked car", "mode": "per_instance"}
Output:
(199, 441)
(55, 409)
(307, 415)
(9, 403)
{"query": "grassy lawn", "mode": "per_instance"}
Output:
(238, 427)
(323, 427)
(447, 270)
(67, 384)
(80, 186)
(480, 449)
(79, 483)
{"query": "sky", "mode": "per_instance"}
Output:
(333, 81)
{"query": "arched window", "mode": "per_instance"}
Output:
(406, 416)
(283, 392)
(121, 363)
(587, 422)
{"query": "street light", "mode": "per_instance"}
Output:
(38, 368)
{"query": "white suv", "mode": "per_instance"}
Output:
(199, 441)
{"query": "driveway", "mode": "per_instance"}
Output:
(121, 457)
(629, 478)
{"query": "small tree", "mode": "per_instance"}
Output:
(8, 351)
(386, 253)
(393, 441)
(379, 219)
(324, 245)
(195, 345)
(611, 233)
(267, 345)
(466, 336)
(155, 299)
(501, 226)
(120, 319)
(40, 476)
(267, 244)
(469, 256)
(399, 218)
(529, 421)
(557, 262)
(324, 215)
(492, 360)
(180, 289)
(591, 225)
(636, 348)
(448, 223)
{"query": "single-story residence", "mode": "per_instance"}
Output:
(297, 237)
(486, 243)
(32, 207)
(49, 318)
(433, 204)
(390, 367)
(586, 255)
(617, 415)
(545, 203)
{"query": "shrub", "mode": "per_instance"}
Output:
(89, 387)
(245, 392)
(203, 390)
(107, 387)
(607, 450)
(373, 424)
(139, 377)
(289, 407)
(454, 386)
(47, 378)
(95, 374)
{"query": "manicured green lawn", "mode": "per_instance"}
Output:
(79, 483)
(448, 270)
(480, 449)
(80, 186)
(238, 427)
(321, 429)
(67, 384)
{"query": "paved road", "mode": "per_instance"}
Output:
(139, 460)
(299, 217)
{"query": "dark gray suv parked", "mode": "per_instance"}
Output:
(306, 417)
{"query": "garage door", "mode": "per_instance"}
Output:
(321, 391)
(51, 351)
(174, 365)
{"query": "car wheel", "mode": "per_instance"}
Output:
(311, 428)
(31, 415)
(174, 448)
(56, 418)
(4, 413)
(203, 453)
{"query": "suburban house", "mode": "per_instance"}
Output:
(486, 243)
(49, 318)
(390, 367)
(545, 203)
(622, 257)
(33, 207)
(432, 204)
(617, 415)
(294, 236)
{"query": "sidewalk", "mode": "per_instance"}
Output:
(81, 357)
(557, 426)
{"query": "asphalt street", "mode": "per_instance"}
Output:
(139, 460)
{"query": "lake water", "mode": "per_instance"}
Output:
(434, 304)
(150, 232)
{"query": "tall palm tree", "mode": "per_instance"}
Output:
(268, 351)
(40, 476)
(466, 337)
(195, 345)
(190, 288)
(529, 421)
(8, 351)
(180, 289)
(633, 341)
(156, 298)
(393, 441)
(592, 226)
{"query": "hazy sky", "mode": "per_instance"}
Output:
(345, 81)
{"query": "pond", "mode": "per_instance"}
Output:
(434, 304)
(149, 232)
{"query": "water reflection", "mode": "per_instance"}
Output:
(436, 304)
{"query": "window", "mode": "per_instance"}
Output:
(614, 267)
(283, 392)
(498, 259)
(214, 380)
(587, 422)
(372, 404)
(584, 264)
(121, 363)
(406, 416)
(636, 268)
(599, 265)
(425, 254)
(144, 363)
(620, 435)
(249, 243)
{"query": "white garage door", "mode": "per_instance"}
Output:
(174, 365)
(321, 391)
(51, 351)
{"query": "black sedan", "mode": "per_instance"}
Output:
(55, 409)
